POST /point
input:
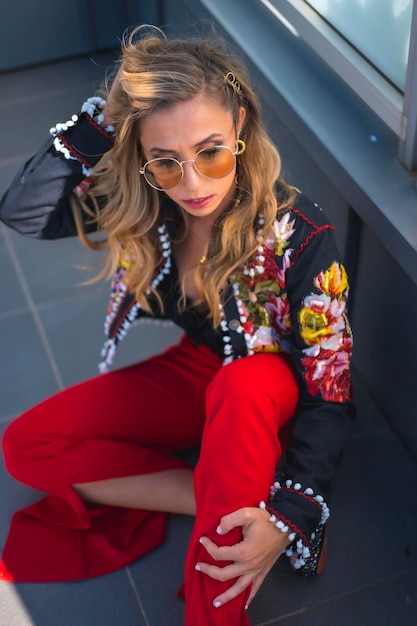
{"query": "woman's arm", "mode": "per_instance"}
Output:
(321, 347)
(37, 202)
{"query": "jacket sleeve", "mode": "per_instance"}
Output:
(37, 202)
(320, 348)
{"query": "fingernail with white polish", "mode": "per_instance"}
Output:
(219, 530)
(198, 567)
(217, 604)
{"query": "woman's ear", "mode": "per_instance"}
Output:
(241, 120)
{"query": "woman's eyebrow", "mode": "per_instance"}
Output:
(155, 149)
(212, 137)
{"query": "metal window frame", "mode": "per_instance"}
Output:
(397, 110)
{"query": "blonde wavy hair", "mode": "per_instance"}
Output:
(155, 72)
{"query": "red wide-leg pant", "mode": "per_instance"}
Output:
(133, 421)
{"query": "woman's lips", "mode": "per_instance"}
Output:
(198, 203)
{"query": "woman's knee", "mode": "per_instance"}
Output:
(260, 373)
(12, 443)
(21, 443)
(261, 385)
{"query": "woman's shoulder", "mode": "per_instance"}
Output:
(306, 213)
(299, 225)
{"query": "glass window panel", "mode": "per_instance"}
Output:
(379, 29)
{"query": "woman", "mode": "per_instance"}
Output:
(201, 229)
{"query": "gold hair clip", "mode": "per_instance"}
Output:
(232, 80)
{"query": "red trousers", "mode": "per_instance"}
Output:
(131, 422)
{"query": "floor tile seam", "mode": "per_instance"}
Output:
(136, 595)
(45, 304)
(75, 296)
(5, 315)
(352, 592)
(33, 309)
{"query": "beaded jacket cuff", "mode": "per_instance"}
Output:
(82, 138)
(302, 514)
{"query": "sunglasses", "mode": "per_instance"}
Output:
(165, 173)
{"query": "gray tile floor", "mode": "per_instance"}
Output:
(50, 336)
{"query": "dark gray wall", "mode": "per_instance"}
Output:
(35, 31)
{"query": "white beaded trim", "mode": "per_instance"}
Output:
(325, 512)
(109, 348)
(92, 106)
(61, 128)
(250, 340)
(259, 256)
(298, 548)
(59, 146)
(284, 528)
(57, 130)
(301, 550)
(227, 348)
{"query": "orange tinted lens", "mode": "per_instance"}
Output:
(163, 173)
(215, 162)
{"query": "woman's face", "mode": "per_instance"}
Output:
(180, 132)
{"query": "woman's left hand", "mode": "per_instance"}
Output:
(252, 558)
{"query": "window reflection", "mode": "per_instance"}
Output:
(379, 29)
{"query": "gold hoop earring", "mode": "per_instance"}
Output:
(241, 147)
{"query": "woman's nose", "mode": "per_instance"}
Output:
(192, 176)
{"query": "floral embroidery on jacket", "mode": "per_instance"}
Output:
(324, 327)
(263, 305)
(262, 288)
